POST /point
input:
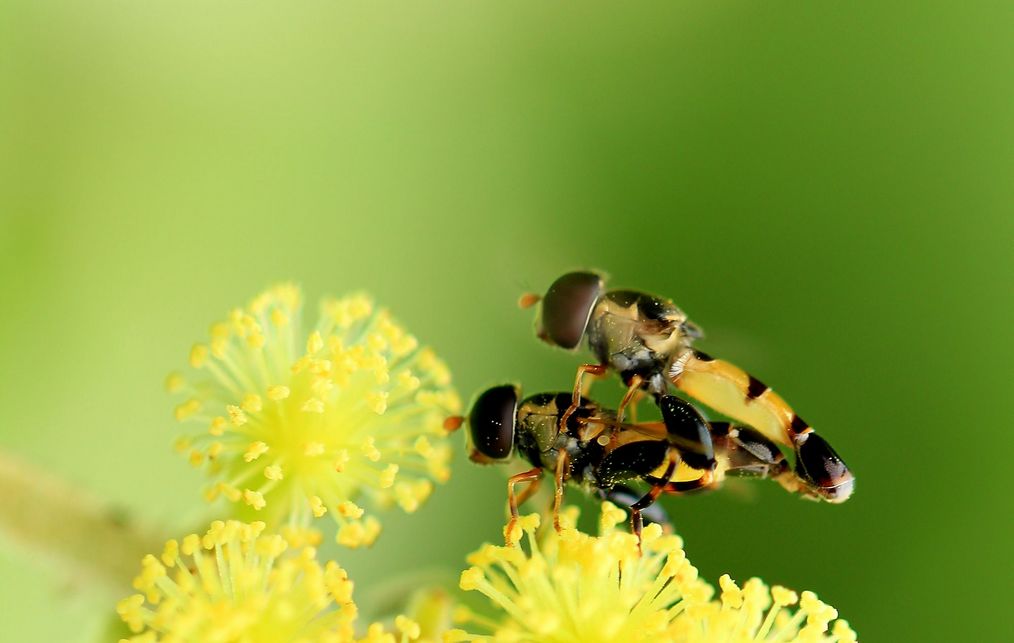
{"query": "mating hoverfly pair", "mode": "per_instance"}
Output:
(646, 340)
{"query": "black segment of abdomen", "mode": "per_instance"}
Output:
(632, 460)
(756, 388)
(818, 463)
(688, 432)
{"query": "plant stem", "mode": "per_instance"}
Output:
(59, 525)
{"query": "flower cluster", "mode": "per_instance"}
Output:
(238, 584)
(572, 586)
(296, 425)
(233, 584)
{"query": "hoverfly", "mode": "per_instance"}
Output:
(597, 452)
(647, 341)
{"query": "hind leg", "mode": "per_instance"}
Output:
(646, 501)
(624, 496)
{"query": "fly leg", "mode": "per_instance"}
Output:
(591, 369)
(529, 491)
(532, 476)
(636, 521)
(633, 389)
(624, 496)
(562, 465)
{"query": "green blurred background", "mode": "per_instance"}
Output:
(825, 187)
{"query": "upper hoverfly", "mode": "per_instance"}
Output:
(647, 341)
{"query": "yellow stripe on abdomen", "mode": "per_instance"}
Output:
(731, 391)
(683, 473)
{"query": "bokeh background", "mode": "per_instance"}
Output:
(825, 187)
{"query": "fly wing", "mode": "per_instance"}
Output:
(634, 432)
(624, 322)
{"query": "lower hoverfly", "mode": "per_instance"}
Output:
(596, 451)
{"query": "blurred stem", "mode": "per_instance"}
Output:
(60, 525)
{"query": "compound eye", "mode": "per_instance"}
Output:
(567, 307)
(821, 469)
(491, 422)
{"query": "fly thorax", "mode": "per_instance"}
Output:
(667, 343)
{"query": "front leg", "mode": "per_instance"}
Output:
(596, 370)
(531, 476)
(562, 473)
(530, 490)
(630, 397)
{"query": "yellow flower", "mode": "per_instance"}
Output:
(571, 587)
(759, 613)
(297, 425)
(233, 585)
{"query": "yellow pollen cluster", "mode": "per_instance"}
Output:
(575, 587)
(297, 425)
(235, 583)
(759, 613)
(571, 586)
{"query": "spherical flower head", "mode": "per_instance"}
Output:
(296, 425)
(570, 586)
(566, 587)
(235, 584)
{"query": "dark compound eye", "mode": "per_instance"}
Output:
(567, 307)
(491, 422)
(822, 469)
